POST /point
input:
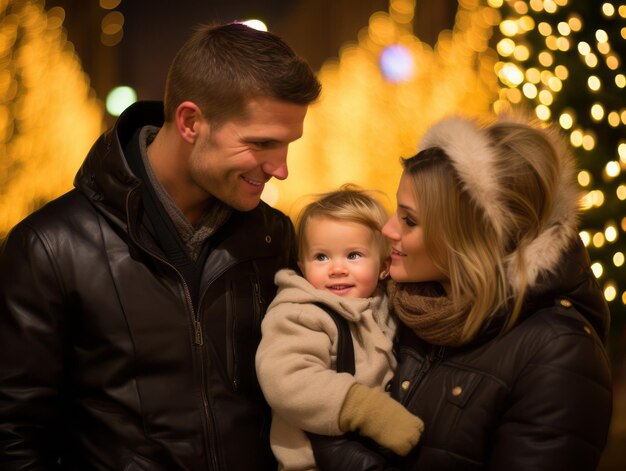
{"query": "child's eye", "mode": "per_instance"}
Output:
(408, 221)
(354, 255)
(320, 257)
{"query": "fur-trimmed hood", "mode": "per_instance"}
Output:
(468, 146)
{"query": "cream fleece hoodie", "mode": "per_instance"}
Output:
(296, 362)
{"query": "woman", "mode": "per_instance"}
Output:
(501, 343)
(502, 323)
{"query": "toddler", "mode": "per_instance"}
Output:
(343, 257)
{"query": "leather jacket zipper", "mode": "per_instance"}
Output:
(198, 341)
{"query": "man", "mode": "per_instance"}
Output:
(130, 307)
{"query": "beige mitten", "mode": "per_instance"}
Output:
(374, 414)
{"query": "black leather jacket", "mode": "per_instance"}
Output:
(104, 362)
(536, 398)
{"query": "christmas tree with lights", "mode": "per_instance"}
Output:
(563, 59)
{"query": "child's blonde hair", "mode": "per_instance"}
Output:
(348, 203)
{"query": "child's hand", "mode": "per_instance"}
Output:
(376, 415)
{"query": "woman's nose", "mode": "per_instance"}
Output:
(390, 228)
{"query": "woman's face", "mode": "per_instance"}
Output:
(410, 261)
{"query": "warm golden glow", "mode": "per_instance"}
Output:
(564, 28)
(594, 83)
(612, 62)
(511, 75)
(613, 119)
(555, 84)
(530, 90)
(363, 124)
(545, 97)
(610, 292)
(533, 75)
(506, 47)
(601, 36)
(543, 112)
(618, 259)
(544, 28)
(549, 6)
(610, 233)
(521, 7)
(49, 117)
(561, 72)
(576, 138)
(597, 112)
(597, 269)
(598, 240)
(584, 178)
(612, 169)
(589, 142)
(608, 9)
(545, 58)
(509, 28)
(604, 48)
(566, 121)
(575, 23)
(591, 60)
(584, 48)
(521, 53)
(585, 237)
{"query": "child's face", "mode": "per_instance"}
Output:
(341, 257)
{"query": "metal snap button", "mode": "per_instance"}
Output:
(457, 390)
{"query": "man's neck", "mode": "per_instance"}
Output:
(169, 159)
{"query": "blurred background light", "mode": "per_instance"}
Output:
(119, 99)
(396, 63)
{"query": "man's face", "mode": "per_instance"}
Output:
(233, 162)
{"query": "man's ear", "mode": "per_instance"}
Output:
(188, 119)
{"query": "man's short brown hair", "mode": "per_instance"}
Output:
(221, 68)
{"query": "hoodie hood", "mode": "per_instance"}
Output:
(467, 144)
(555, 263)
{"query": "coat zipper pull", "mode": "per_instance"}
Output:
(197, 327)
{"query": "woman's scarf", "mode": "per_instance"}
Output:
(424, 308)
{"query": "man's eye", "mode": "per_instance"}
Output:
(263, 144)
(354, 255)
(409, 222)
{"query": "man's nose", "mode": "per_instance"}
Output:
(276, 164)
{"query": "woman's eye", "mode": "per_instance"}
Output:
(354, 255)
(409, 222)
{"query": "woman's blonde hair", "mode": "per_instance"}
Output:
(348, 203)
(483, 253)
